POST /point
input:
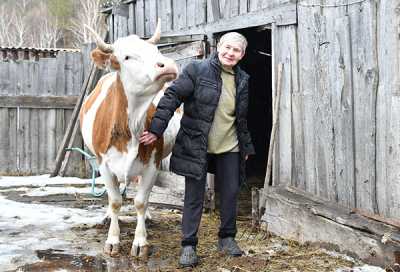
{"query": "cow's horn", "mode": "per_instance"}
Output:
(99, 41)
(157, 34)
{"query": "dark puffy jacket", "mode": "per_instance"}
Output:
(199, 88)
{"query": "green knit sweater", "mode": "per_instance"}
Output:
(222, 136)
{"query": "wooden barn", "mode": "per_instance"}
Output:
(334, 67)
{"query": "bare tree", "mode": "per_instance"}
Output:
(6, 34)
(87, 14)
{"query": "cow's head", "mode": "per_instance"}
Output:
(140, 64)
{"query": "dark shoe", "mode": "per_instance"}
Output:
(229, 246)
(188, 257)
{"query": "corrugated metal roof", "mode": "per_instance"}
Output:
(33, 49)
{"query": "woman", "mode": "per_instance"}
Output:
(213, 137)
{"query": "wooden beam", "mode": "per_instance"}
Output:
(281, 15)
(38, 102)
(180, 39)
(330, 225)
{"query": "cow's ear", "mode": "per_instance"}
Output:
(100, 58)
(103, 60)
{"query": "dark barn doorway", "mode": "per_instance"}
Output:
(257, 63)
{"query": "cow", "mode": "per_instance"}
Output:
(113, 117)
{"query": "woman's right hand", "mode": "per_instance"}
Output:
(147, 138)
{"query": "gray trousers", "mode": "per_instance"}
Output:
(227, 185)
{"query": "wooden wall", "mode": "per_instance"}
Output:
(37, 96)
(339, 127)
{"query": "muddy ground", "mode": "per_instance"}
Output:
(82, 250)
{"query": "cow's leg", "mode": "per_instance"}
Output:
(112, 245)
(140, 246)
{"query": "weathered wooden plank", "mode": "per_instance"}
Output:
(307, 73)
(224, 8)
(297, 114)
(60, 73)
(50, 145)
(365, 83)
(28, 101)
(23, 86)
(243, 6)
(147, 20)
(254, 5)
(165, 9)
(234, 8)
(191, 13)
(69, 74)
(139, 18)
(283, 149)
(8, 161)
(13, 162)
(153, 18)
(131, 19)
(179, 13)
(52, 75)
(201, 12)
(33, 144)
(318, 221)
(77, 73)
(324, 145)
(4, 77)
(180, 39)
(342, 109)
(13, 73)
(42, 140)
(388, 110)
(210, 11)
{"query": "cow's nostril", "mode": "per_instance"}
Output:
(160, 64)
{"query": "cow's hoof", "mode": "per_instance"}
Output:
(141, 252)
(112, 249)
(135, 250)
(144, 252)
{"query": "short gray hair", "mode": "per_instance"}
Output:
(234, 37)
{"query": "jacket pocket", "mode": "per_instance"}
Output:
(192, 142)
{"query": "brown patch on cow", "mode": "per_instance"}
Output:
(178, 110)
(145, 151)
(111, 126)
(92, 98)
(102, 59)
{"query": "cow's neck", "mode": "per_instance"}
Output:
(138, 105)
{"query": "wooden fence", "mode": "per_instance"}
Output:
(38, 90)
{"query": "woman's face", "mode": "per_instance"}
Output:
(230, 53)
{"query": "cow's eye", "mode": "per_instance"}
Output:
(127, 57)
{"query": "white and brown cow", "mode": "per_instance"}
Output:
(114, 116)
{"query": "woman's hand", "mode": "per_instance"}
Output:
(147, 138)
